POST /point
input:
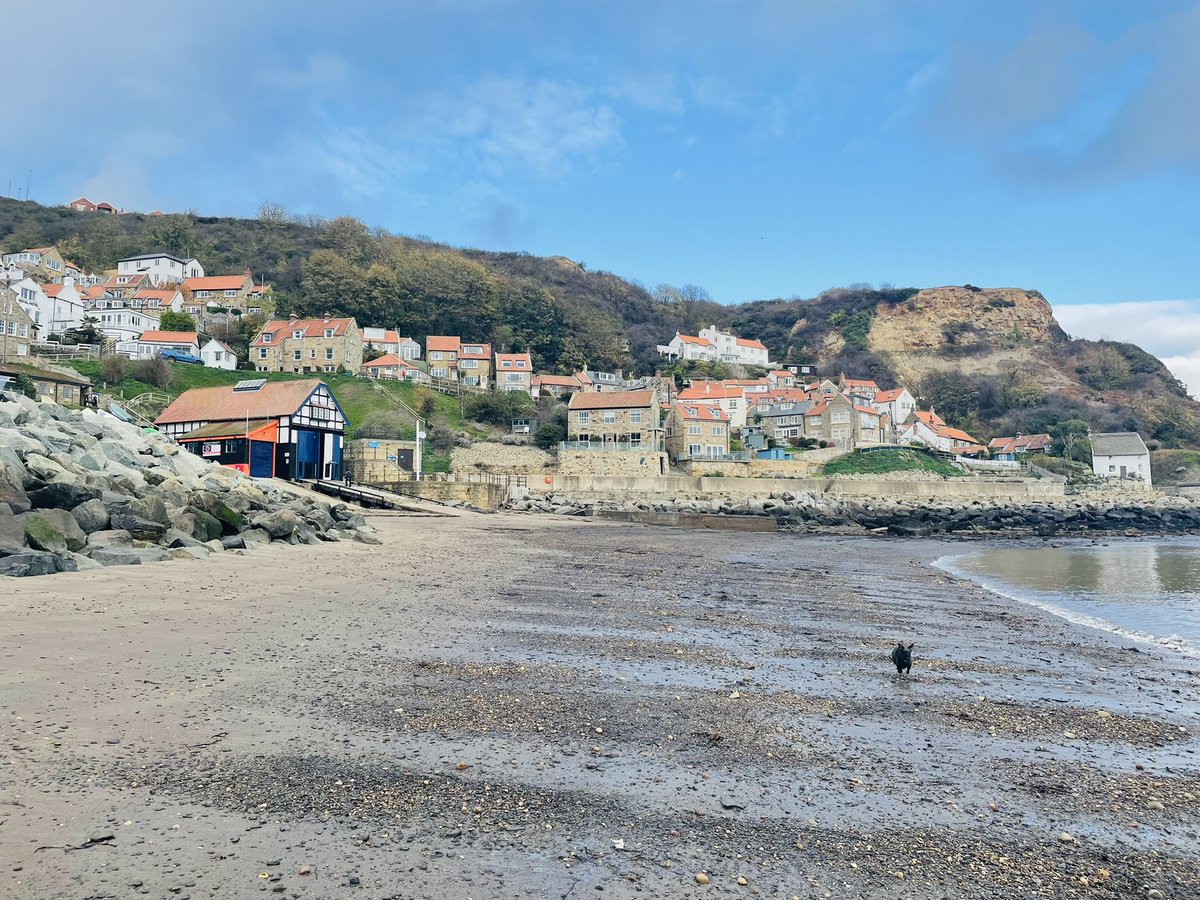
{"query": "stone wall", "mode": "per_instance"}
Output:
(640, 465)
(473, 493)
(367, 460)
(489, 456)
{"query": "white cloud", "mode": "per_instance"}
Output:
(1170, 329)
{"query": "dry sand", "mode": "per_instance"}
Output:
(500, 706)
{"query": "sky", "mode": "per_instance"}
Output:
(758, 149)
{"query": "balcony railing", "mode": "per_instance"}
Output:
(732, 456)
(610, 446)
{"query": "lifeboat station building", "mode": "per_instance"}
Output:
(279, 429)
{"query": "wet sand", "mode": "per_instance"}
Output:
(500, 706)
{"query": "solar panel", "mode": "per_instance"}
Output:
(253, 384)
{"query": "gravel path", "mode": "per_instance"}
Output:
(501, 706)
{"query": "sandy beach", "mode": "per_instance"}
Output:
(491, 706)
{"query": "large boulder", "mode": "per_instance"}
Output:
(34, 562)
(12, 491)
(110, 538)
(231, 521)
(128, 556)
(141, 528)
(278, 524)
(12, 532)
(61, 496)
(91, 515)
(56, 525)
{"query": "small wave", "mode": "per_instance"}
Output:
(1174, 642)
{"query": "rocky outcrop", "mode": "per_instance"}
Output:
(931, 318)
(81, 489)
(813, 512)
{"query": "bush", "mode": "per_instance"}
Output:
(156, 372)
(549, 435)
(500, 407)
(112, 369)
(24, 384)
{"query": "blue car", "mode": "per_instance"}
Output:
(180, 357)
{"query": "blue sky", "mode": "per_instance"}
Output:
(757, 149)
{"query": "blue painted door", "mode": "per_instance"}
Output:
(262, 458)
(336, 474)
(308, 454)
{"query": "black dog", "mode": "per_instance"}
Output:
(902, 658)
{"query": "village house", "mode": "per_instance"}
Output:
(898, 405)
(282, 429)
(63, 388)
(929, 430)
(160, 268)
(1009, 449)
(614, 419)
(390, 367)
(594, 380)
(782, 379)
(717, 346)
(83, 204)
(441, 352)
(842, 423)
(475, 364)
(218, 355)
(307, 345)
(554, 385)
(1121, 454)
(228, 292)
(157, 300)
(18, 332)
(729, 398)
(54, 308)
(260, 299)
(120, 325)
(514, 372)
(44, 264)
(386, 340)
(151, 344)
(782, 422)
(124, 286)
(861, 389)
(697, 431)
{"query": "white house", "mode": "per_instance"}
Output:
(124, 325)
(717, 346)
(898, 404)
(217, 355)
(929, 430)
(150, 344)
(387, 341)
(1121, 454)
(53, 307)
(157, 300)
(160, 268)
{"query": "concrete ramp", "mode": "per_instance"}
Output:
(689, 520)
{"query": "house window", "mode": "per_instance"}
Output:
(438, 373)
(468, 364)
(296, 354)
(23, 330)
(693, 449)
(635, 439)
(329, 353)
(694, 429)
(330, 368)
(202, 295)
(839, 416)
(231, 293)
(328, 332)
(297, 334)
(610, 417)
(718, 430)
(435, 354)
(733, 404)
(312, 353)
(635, 417)
(512, 376)
(520, 363)
(585, 418)
(507, 364)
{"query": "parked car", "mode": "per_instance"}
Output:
(180, 356)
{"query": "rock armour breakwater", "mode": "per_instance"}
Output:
(812, 512)
(80, 489)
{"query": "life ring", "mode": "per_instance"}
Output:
(549, 479)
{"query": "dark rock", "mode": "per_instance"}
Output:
(61, 496)
(91, 515)
(278, 524)
(141, 529)
(56, 525)
(34, 562)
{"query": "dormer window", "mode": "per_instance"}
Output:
(328, 332)
(267, 337)
(297, 334)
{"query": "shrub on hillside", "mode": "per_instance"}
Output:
(156, 372)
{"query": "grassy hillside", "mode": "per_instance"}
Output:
(881, 462)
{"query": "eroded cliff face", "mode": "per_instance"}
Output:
(938, 317)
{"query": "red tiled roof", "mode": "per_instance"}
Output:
(692, 339)
(1027, 442)
(712, 390)
(169, 337)
(217, 283)
(702, 411)
(154, 294)
(866, 409)
(889, 396)
(860, 382)
(311, 327)
(52, 290)
(757, 345)
(515, 358)
(442, 343)
(929, 417)
(223, 404)
(485, 350)
(611, 400)
(387, 361)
